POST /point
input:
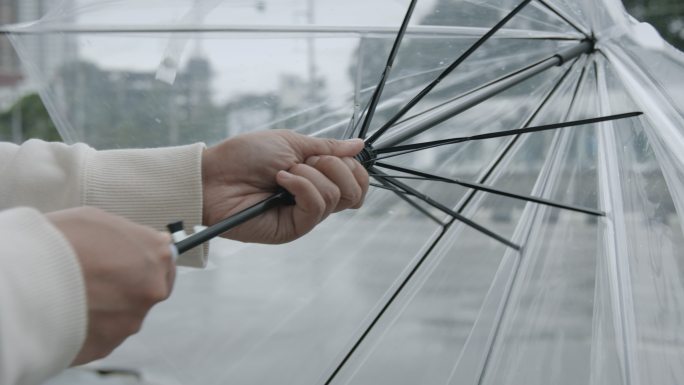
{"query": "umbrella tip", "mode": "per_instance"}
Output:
(177, 230)
(175, 227)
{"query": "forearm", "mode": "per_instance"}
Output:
(148, 186)
(152, 187)
(45, 176)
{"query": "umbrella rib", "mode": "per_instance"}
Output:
(376, 135)
(404, 196)
(449, 211)
(361, 117)
(467, 93)
(407, 177)
(349, 132)
(413, 129)
(515, 139)
(388, 303)
(461, 96)
(563, 17)
(445, 32)
(491, 190)
(405, 149)
(388, 68)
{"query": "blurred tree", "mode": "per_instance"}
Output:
(27, 118)
(667, 16)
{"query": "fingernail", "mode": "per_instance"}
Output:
(311, 161)
(351, 163)
(285, 175)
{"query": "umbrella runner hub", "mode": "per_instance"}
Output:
(367, 156)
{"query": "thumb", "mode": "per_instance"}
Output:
(309, 146)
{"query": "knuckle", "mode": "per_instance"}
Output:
(330, 144)
(133, 327)
(164, 253)
(287, 134)
(329, 160)
(352, 164)
(333, 163)
(323, 164)
(365, 178)
(103, 352)
(332, 196)
(297, 169)
(156, 293)
(359, 204)
(355, 195)
(319, 205)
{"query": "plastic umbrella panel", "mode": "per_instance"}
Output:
(587, 300)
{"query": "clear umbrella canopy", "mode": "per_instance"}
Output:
(401, 292)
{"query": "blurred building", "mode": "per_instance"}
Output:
(112, 107)
(667, 16)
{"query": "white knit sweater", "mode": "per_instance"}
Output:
(43, 315)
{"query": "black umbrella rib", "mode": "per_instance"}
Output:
(392, 297)
(412, 130)
(377, 134)
(404, 196)
(563, 17)
(514, 140)
(392, 189)
(385, 74)
(448, 211)
(461, 96)
(467, 93)
(425, 179)
(491, 190)
(404, 149)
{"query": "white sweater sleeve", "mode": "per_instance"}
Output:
(42, 296)
(42, 299)
(152, 187)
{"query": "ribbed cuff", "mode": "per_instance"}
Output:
(153, 187)
(44, 308)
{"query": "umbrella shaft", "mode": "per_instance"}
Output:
(282, 198)
(412, 128)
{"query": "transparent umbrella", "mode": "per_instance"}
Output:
(432, 281)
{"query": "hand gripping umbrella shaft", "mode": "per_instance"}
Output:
(284, 198)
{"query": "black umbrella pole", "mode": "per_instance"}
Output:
(282, 198)
(410, 130)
